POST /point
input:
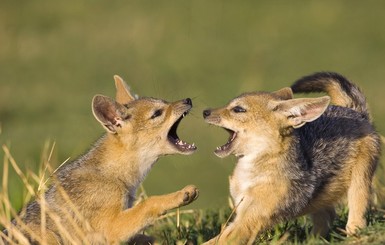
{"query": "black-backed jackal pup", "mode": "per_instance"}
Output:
(297, 156)
(91, 199)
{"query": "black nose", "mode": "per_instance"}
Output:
(206, 113)
(187, 101)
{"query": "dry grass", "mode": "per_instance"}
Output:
(177, 227)
(40, 182)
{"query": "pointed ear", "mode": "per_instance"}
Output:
(123, 93)
(108, 112)
(284, 93)
(300, 111)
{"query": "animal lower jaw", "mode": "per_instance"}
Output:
(222, 153)
(226, 149)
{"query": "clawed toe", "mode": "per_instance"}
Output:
(191, 193)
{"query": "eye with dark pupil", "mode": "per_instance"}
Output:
(157, 113)
(238, 109)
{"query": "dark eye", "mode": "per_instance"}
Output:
(239, 109)
(157, 113)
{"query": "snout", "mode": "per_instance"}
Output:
(206, 113)
(212, 116)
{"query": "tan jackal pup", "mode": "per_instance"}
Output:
(92, 197)
(297, 156)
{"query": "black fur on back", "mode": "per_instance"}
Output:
(319, 151)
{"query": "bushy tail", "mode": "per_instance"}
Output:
(340, 89)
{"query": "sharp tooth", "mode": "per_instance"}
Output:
(193, 145)
(233, 136)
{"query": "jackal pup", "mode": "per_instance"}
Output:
(93, 196)
(297, 156)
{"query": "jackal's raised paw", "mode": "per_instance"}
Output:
(190, 193)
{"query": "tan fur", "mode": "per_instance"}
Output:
(338, 96)
(264, 182)
(92, 199)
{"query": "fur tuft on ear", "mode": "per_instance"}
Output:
(300, 111)
(107, 112)
(284, 93)
(123, 93)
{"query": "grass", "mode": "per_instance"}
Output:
(181, 226)
(200, 225)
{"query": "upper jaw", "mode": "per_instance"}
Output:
(173, 138)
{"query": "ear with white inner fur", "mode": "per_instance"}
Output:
(123, 93)
(284, 93)
(300, 111)
(107, 112)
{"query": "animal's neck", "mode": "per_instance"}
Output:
(262, 164)
(128, 164)
(251, 164)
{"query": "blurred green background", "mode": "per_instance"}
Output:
(55, 55)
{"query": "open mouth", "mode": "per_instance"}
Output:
(181, 145)
(226, 147)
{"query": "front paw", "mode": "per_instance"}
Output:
(189, 194)
(352, 228)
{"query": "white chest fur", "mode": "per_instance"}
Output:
(247, 174)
